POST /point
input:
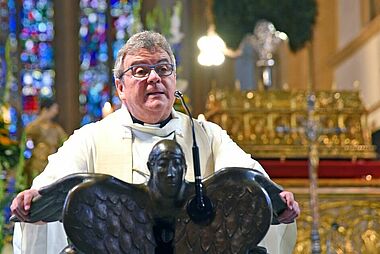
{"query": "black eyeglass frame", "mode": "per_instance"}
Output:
(151, 67)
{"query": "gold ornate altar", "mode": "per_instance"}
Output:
(272, 124)
(349, 215)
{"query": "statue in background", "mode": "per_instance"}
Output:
(255, 57)
(265, 41)
(43, 136)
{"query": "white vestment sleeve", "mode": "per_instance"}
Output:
(39, 239)
(280, 239)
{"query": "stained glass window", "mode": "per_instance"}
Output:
(8, 115)
(4, 26)
(94, 71)
(37, 55)
(125, 22)
(8, 62)
(105, 25)
(96, 59)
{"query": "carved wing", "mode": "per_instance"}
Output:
(272, 189)
(107, 215)
(48, 206)
(243, 214)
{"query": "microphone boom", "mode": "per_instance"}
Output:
(200, 208)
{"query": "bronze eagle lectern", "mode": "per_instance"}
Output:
(102, 214)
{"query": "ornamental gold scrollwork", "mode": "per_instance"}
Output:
(273, 124)
(348, 225)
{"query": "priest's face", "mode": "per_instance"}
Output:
(149, 98)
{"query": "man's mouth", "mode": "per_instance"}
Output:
(155, 93)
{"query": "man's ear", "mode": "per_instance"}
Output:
(119, 88)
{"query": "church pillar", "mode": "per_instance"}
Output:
(67, 62)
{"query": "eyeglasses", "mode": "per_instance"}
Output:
(143, 70)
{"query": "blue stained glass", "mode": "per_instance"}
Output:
(8, 62)
(27, 154)
(94, 73)
(37, 54)
(3, 37)
(96, 80)
(123, 21)
(3, 69)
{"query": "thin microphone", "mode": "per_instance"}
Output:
(200, 208)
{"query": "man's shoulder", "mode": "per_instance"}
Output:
(208, 126)
(113, 119)
(202, 122)
(94, 126)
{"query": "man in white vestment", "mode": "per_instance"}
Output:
(119, 145)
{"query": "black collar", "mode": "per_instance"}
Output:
(162, 123)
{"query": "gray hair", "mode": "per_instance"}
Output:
(144, 40)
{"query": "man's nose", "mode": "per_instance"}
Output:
(153, 76)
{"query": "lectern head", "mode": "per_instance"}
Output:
(167, 166)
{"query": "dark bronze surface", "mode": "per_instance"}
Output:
(103, 214)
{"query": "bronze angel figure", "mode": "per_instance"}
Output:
(102, 214)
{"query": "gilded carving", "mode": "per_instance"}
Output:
(273, 124)
(349, 225)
